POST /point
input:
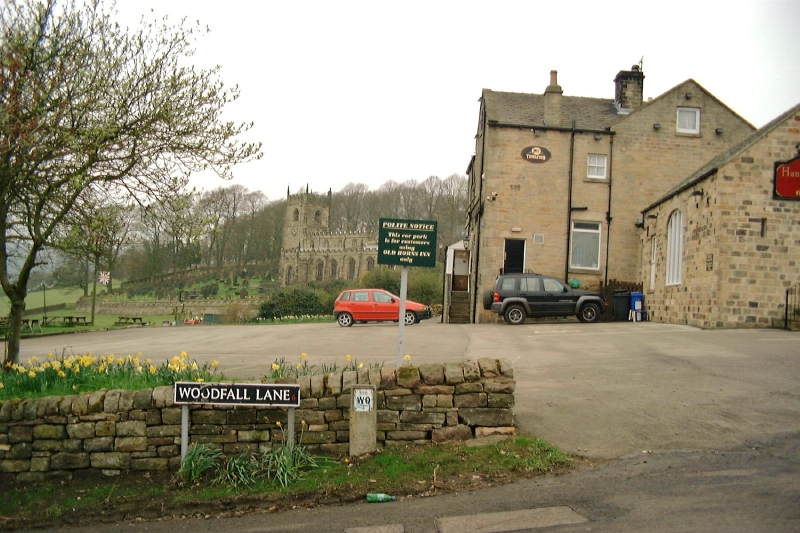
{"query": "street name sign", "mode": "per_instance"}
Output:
(254, 394)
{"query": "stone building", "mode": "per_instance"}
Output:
(557, 183)
(721, 247)
(311, 252)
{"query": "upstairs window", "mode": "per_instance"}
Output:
(688, 120)
(596, 166)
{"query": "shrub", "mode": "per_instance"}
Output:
(424, 284)
(293, 301)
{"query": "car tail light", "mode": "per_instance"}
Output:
(495, 296)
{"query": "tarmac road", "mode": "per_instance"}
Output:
(710, 409)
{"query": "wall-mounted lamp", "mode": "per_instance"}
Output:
(719, 131)
(597, 136)
(656, 126)
(536, 132)
(697, 193)
(689, 96)
(466, 244)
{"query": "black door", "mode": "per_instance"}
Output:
(515, 256)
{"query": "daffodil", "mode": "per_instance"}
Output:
(2, 386)
(31, 374)
(303, 355)
(184, 355)
(278, 423)
(407, 357)
(215, 364)
(360, 366)
(347, 358)
(276, 366)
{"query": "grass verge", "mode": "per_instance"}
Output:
(404, 471)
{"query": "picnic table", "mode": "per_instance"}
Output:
(130, 320)
(30, 322)
(73, 320)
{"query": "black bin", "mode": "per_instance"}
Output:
(622, 304)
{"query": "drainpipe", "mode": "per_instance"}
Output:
(569, 199)
(608, 213)
(478, 225)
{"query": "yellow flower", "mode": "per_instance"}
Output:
(407, 357)
(50, 355)
(276, 366)
(299, 365)
(147, 361)
(303, 422)
(111, 358)
(152, 369)
(200, 380)
(278, 423)
(34, 358)
(31, 374)
(215, 364)
(2, 386)
(360, 366)
(138, 354)
(61, 374)
(347, 357)
(303, 355)
(184, 355)
(74, 387)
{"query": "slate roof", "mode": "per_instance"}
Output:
(713, 165)
(528, 110)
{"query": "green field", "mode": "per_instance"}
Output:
(68, 296)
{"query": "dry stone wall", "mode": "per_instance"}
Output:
(122, 430)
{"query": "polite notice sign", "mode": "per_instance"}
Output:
(407, 242)
(256, 394)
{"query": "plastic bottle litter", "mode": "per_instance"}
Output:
(380, 498)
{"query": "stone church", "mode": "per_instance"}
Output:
(311, 252)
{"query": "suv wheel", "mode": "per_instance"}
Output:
(515, 315)
(589, 313)
(488, 297)
(345, 320)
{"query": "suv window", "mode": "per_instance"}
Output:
(508, 284)
(529, 284)
(552, 285)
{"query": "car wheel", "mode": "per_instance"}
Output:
(589, 313)
(488, 297)
(514, 315)
(345, 320)
(411, 318)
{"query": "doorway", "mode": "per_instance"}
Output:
(514, 257)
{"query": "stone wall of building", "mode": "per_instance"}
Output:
(741, 246)
(122, 430)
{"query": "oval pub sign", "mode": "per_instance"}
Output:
(536, 154)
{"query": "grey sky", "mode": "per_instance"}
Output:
(370, 91)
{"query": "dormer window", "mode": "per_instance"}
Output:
(688, 120)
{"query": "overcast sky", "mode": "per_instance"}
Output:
(371, 91)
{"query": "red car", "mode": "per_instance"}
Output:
(375, 305)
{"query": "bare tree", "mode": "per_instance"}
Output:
(88, 107)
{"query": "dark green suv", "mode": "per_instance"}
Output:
(518, 296)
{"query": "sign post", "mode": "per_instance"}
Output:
(406, 243)
(253, 394)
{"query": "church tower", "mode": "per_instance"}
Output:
(306, 213)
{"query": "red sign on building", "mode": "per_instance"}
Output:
(787, 180)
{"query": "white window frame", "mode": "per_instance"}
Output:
(597, 230)
(693, 110)
(674, 249)
(653, 261)
(595, 166)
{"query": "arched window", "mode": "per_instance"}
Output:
(317, 217)
(653, 262)
(334, 269)
(351, 268)
(320, 268)
(370, 264)
(674, 248)
(296, 216)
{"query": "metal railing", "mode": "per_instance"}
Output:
(791, 318)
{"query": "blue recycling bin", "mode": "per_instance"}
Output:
(637, 306)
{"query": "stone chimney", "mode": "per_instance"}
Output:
(628, 90)
(552, 101)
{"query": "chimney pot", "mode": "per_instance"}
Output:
(553, 77)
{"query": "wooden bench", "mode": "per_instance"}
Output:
(130, 321)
